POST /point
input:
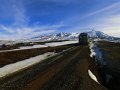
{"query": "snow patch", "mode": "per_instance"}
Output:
(12, 68)
(10, 50)
(91, 46)
(93, 76)
(25, 47)
(34, 46)
(95, 51)
(52, 44)
(60, 43)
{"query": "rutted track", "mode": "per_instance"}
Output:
(66, 71)
(74, 76)
(19, 79)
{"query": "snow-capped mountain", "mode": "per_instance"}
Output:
(71, 36)
(64, 36)
(7, 42)
(56, 36)
(100, 35)
(97, 34)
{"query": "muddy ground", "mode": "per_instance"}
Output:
(111, 72)
(65, 71)
(14, 56)
(75, 75)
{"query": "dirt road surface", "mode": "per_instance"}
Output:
(66, 71)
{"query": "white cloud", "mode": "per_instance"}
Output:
(112, 30)
(111, 8)
(20, 17)
(19, 28)
(115, 19)
(106, 19)
(26, 32)
(109, 25)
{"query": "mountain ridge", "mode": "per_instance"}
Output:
(73, 36)
(64, 36)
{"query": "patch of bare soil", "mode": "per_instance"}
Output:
(17, 80)
(111, 54)
(14, 56)
(16, 46)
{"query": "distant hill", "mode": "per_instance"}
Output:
(64, 36)
(73, 36)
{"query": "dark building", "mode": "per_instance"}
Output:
(83, 39)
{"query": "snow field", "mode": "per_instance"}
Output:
(60, 43)
(93, 76)
(14, 67)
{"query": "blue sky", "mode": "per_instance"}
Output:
(29, 18)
